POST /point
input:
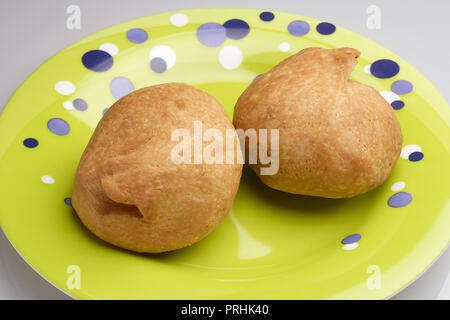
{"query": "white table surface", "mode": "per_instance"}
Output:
(33, 31)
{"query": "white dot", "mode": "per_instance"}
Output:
(164, 52)
(68, 105)
(230, 57)
(398, 186)
(367, 69)
(111, 48)
(350, 246)
(407, 150)
(48, 179)
(389, 96)
(179, 19)
(285, 46)
(65, 87)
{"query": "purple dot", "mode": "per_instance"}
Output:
(266, 16)
(397, 104)
(158, 65)
(236, 29)
(58, 126)
(30, 143)
(80, 104)
(211, 34)
(416, 156)
(384, 68)
(326, 28)
(351, 238)
(68, 201)
(402, 87)
(97, 60)
(137, 35)
(120, 87)
(104, 111)
(298, 28)
(400, 199)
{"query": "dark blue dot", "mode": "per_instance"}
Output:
(416, 156)
(352, 238)
(384, 68)
(80, 104)
(326, 28)
(266, 16)
(97, 60)
(236, 28)
(397, 104)
(30, 143)
(68, 201)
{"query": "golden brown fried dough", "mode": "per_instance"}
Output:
(337, 138)
(127, 189)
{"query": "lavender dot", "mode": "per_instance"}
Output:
(351, 238)
(120, 87)
(68, 201)
(416, 156)
(158, 65)
(104, 111)
(397, 104)
(402, 87)
(298, 28)
(326, 28)
(211, 34)
(266, 16)
(137, 35)
(400, 199)
(236, 29)
(58, 126)
(384, 68)
(97, 60)
(80, 104)
(30, 143)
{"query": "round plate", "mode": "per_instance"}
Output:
(273, 245)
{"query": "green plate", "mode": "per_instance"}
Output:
(273, 245)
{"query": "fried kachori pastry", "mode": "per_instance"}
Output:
(338, 138)
(128, 190)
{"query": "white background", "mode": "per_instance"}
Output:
(31, 31)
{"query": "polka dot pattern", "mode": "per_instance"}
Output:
(400, 199)
(58, 126)
(402, 87)
(68, 201)
(285, 47)
(120, 87)
(158, 65)
(236, 29)
(409, 149)
(211, 34)
(397, 104)
(326, 28)
(230, 57)
(30, 143)
(68, 105)
(47, 179)
(384, 68)
(110, 48)
(65, 87)
(266, 16)
(350, 246)
(398, 186)
(137, 35)
(97, 60)
(298, 28)
(416, 156)
(80, 104)
(162, 57)
(351, 238)
(179, 19)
